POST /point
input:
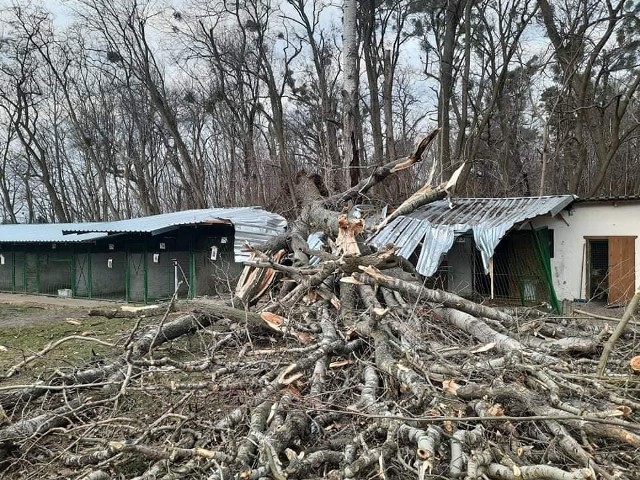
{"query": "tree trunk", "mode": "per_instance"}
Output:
(350, 150)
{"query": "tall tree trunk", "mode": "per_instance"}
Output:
(451, 21)
(350, 90)
(328, 107)
(371, 61)
(387, 94)
(464, 94)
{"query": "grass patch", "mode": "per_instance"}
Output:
(10, 311)
(42, 326)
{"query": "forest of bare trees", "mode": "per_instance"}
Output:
(118, 108)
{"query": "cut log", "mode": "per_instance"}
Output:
(127, 311)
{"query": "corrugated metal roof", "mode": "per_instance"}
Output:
(315, 241)
(437, 224)
(252, 225)
(610, 198)
(43, 233)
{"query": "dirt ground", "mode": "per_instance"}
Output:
(20, 299)
(23, 310)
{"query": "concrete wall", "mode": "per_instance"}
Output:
(19, 262)
(219, 276)
(38, 272)
(605, 219)
(42, 269)
(183, 260)
(108, 282)
(160, 275)
(216, 277)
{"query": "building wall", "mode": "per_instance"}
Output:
(159, 275)
(604, 219)
(19, 259)
(133, 274)
(216, 276)
(108, 275)
(162, 272)
(136, 268)
(55, 272)
(83, 274)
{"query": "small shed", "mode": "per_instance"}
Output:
(481, 247)
(596, 245)
(194, 252)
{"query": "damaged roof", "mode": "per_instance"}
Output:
(252, 225)
(435, 226)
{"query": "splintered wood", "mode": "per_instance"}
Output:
(346, 243)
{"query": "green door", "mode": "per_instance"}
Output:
(82, 275)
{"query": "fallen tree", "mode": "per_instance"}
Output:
(345, 369)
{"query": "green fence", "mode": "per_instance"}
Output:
(45, 273)
(521, 270)
(135, 275)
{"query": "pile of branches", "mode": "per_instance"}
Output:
(346, 367)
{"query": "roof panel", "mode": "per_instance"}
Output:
(44, 233)
(252, 225)
(245, 215)
(437, 242)
(609, 198)
(475, 211)
(436, 224)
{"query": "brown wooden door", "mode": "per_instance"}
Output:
(622, 273)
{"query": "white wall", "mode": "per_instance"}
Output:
(605, 219)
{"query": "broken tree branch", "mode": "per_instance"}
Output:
(608, 347)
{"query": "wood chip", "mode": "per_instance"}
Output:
(340, 363)
(484, 348)
(635, 363)
(450, 386)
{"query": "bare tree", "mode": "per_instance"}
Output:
(597, 59)
(26, 100)
(123, 27)
(309, 16)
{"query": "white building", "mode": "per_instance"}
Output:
(595, 249)
(525, 250)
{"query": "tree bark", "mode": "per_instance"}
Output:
(350, 149)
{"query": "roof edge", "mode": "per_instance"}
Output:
(607, 199)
